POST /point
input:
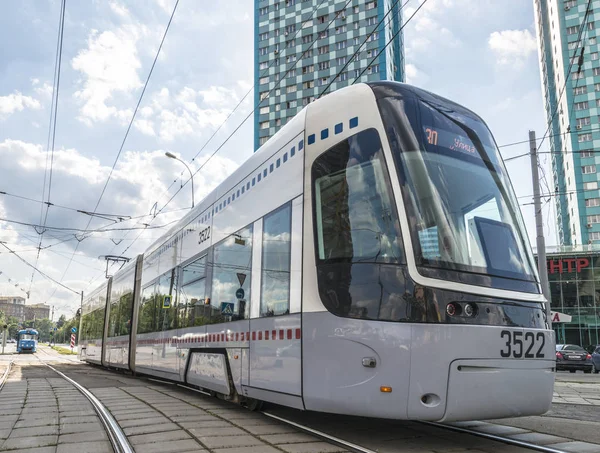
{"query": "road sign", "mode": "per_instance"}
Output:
(241, 279)
(73, 329)
(240, 293)
(55, 329)
(72, 341)
(166, 302)
(227, 308)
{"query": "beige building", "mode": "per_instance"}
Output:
(13, 306)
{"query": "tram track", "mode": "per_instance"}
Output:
(5, 374)
(116, 436)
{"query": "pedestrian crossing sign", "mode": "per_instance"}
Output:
(227, 308)
(166, 302)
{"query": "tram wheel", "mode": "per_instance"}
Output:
(253, 404)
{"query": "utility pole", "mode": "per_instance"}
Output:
(52, 316)
(539, 225)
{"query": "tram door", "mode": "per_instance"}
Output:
(356, 353)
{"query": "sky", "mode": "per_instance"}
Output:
(480, 54)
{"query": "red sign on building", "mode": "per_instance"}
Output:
(567, 265)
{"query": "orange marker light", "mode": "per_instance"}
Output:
(235, 357)
(385, 389)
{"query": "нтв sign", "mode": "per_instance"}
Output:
(567, 265)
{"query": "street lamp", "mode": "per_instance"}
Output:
(173, 156)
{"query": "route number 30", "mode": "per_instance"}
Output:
(523, 344)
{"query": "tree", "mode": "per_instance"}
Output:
(43, 326)
(61, 321)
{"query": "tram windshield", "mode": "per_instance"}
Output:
(463, 213)
(26, 336)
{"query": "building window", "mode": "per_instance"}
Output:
(581, 105)
(572, 30)
(593, 218)
(291, 104)
(307, 54)
(276, 259)
(596, 71)
(307, 100)
(586, 153)
(590, 185)
(307, 24)
(263, 36)
(322, 19)
(264, 10)
(570, 3)
(307, 39)
(578, 75)
(323, 34)
(590, 25)
(278, 122)
(323, 81)
(323, 50)
(580, 90)
(583, 122)
(263, 80)
(372, 69)
(372, 20)
(343, 77)
(308, 69)
(340, 45)
(290, 29)
(572, 45)
(290, 3)
(309, 84)
(290, 58)
(264, 125)
(264, 110)
(370, 5)
(277, 107)
(373, 36)
(323, 65)
(341, 29)
(290, 43)
(263, 140)
(291, 89)
(263, 65)
(594, 235)
(264, 95)
(593, 40)
(594, 55)
(586, 169)
(356, 9)
(263, 51)
(341, 61)
(591, 202)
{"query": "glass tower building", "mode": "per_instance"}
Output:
(300, 45)
(570, 72)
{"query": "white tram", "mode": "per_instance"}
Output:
(370, 259)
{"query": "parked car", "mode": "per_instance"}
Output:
(596, 358)
(573, 357)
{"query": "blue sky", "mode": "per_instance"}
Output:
(480, 54)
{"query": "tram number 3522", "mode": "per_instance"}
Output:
(204, 235)
(519, 344)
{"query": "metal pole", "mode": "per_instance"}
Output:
(539, 225)
(3, 339)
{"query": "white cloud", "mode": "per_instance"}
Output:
(109, 64)
(118, 9)
(144, 126)
(17, 102)
(512, 46)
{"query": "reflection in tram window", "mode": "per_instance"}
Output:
(358, 233)
(147, 311)
(166, 319)
(276, 255)
(232, 264)
(192, 307)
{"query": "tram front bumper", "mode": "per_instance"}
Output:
(485, 389)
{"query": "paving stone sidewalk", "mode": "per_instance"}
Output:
(576, 393)
(43, 413)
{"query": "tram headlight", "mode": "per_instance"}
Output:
(470, 310)
(453, 309)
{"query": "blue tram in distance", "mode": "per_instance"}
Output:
(27, 340)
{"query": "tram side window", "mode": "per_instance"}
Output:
(192, 307)
(276, 255)
(357, 231)
(147, 311)
(232, 265)
(166, 316)
(113, 319)
(125, 310)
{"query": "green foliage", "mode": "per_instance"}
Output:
(64, 351)
(43, 326)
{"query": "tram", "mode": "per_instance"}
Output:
(27, 340)
(369, 259)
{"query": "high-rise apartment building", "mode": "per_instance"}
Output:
(570, 70)
(307, 42)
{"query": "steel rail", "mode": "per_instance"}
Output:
(117, 437)
(329, 438)
(505, 440)
(5, 375)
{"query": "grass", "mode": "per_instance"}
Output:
(61, 350)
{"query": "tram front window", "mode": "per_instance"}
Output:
(465, 223)
(27, 337)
